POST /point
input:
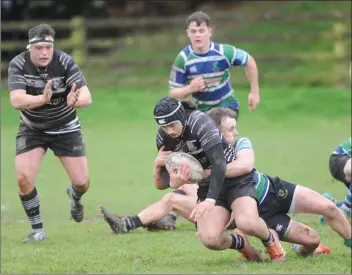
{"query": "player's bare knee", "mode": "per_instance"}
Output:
(82, 184)
(246, 225)
(330, 211)
(314, 239)
(210, 241)
(168, 198)
(25, 184)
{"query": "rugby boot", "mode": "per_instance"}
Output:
(117, 224)
(275, 250)
(77, 211)
(35, 236)
(248, 252)
(166, 223)
(321, 249)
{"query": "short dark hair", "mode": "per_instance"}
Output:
(199, 17)
(41, 31)
(219, 113)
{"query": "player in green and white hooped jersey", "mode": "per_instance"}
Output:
(279, 198)
(202, 69)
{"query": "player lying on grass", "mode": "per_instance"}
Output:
(289, 196)
(182, 128)
(340, 169)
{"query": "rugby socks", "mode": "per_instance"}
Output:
(237, 242)
(133, 222)
(348, 199)
(76, 195)
(269, 241)
(31, 206)
(173, 215)
(348, 242)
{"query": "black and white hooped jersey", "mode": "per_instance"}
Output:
(54, 117)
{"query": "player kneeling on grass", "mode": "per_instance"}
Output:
(47, 86)
(281, 197)
(182, 128)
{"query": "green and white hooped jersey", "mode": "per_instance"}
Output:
(261, 180)
(213, 67)
(344, 149)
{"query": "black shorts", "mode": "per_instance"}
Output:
(231, 191)
(279, 202)
(63, 145)
(336, 165)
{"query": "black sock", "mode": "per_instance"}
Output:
(133, 223)
(30, 203)
(269, 240)
(237, 242)
(77, 195)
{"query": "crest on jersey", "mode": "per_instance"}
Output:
(193, 69)
(216, 67)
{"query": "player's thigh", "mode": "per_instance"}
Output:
(285, 194)
(70, 149)
(309, 201)
(189, 189)
(184, 204)
(30, 149)
(300, 233)
(213, 225)
(347, 170)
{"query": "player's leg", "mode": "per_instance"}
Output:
(29, 154)
(212, 235)
(245, 210)
(308, 201)
(70, 149)
(347, 203)
(170, 219)
(172, 201)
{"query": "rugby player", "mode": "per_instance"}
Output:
(47, 86)
(182, 128)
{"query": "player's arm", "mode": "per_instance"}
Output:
(244, 162)
(239, 57)
(178, 79)
(17, 87)
(161, 178)
(161, 175)
(74, 75)
(206, 132)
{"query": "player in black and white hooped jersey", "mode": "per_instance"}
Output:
(47, 86)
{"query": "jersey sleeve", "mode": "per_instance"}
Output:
(159, 140)
(243, 143)
(178, 76)
(16, 79)
(203, 128)
(235, 56)
(73, 73)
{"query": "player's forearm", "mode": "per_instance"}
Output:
(84, 99)
(23, 101)
(218, 168)
(161, 178)
(239, 167)
(252, 74)
(180, 93)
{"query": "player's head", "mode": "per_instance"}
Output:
(41, 44)
(198, 30)
(225, 120)
(170, 114)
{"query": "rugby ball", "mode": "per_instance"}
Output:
(175, 158)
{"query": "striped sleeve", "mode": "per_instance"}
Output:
(243, 143)
(73, 73)
(203, 128)
(235, 56)
(16, 79)
(159, 140)
(178, 76)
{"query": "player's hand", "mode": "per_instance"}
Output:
(180, 175)
(202, 209)
(197, 84)
(48, 92)
(161, 157)
(73, 96)
(253, 100)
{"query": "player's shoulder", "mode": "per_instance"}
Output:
(19, 60)
(200, 122)
(243, 143)
(61, 57)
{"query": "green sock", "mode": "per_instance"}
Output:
(348, 242)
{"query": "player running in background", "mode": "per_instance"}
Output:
(46, 86)
(202, 69)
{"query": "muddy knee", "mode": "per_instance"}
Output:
(312, 237)
(81, 184)
(210, 241)
(330, 211)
